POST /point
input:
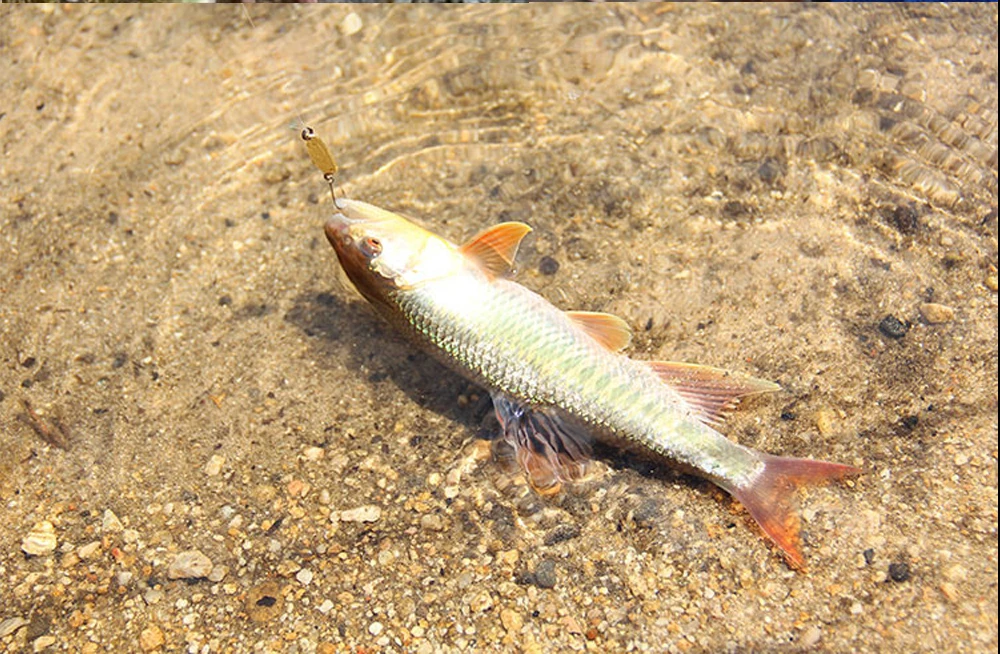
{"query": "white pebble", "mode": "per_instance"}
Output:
(375, 628)
(214, 465)
(367, 513)
(325, 607)
(110, 522)
(351, 24)
(304, 576)
(190, 564)
(41, 540)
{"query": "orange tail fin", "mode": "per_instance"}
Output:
(770, 498)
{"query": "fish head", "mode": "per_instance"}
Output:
(382, 252)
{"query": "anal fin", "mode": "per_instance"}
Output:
(548, 448)
(710, 392)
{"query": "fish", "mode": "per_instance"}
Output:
(559, 380)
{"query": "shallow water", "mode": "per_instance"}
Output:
(756, 188)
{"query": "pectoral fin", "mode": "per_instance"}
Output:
(495, 248)
(548, 448)
(711, 392)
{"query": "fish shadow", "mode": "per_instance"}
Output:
(341, 330)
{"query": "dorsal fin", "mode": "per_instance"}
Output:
(609, 330)
(711, 392)
(495, 248)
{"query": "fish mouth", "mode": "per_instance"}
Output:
(338, 226)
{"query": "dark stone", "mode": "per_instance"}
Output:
(646, 513)
(562, 533)
(770, 170)
(910, 422)
(225, 301)
(892, 327)
(734, 209)
(29, 362)
(545, 574)
(548, 266)
(119, 360)
(899, 572)
(903, 218)
(788, 415)
(869, 555)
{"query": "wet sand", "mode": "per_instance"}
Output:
(210, 444)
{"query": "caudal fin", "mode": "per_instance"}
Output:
(770, 498)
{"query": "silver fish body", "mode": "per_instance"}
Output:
(558, 378)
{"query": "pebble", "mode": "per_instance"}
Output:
(351, 24)
(936, 314)
(545, 574)
(326, 607)
(88, 550)
(190, 564)
(110, 522)
(824, 421)
(375, 628)
(899, 572)
(42, 643)
(151, 638)
(892, 327)
(10, 625)
(214, 465)
(313, 453)
(432, 522)
(304, 576)
(511, 620)
(41, 540)
(368, 513)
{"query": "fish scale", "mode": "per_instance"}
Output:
(519, 344)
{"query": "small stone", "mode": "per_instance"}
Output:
(152, 596)
(548, 265)
(151, 638)
(325, 607)
(936, 314)
(87, 551)
(899, 572)
(190, 564)
(810, 637)
(42, 643)
(110, 522)
(218, 573)
(956, 572)
(991, 282)
(368, 513)
(41, 540)
(10, 625)
(561, 533)
(432, 522)
(481, 602)
(351, 24)
(375, 628)
(545, 574)
(214, 465)
(313, 453)
(304, 576)
(824, 421)
(511, 620)
(892, 327)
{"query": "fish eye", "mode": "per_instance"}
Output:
(370, 246)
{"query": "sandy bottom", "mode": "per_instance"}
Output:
(209, 444)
